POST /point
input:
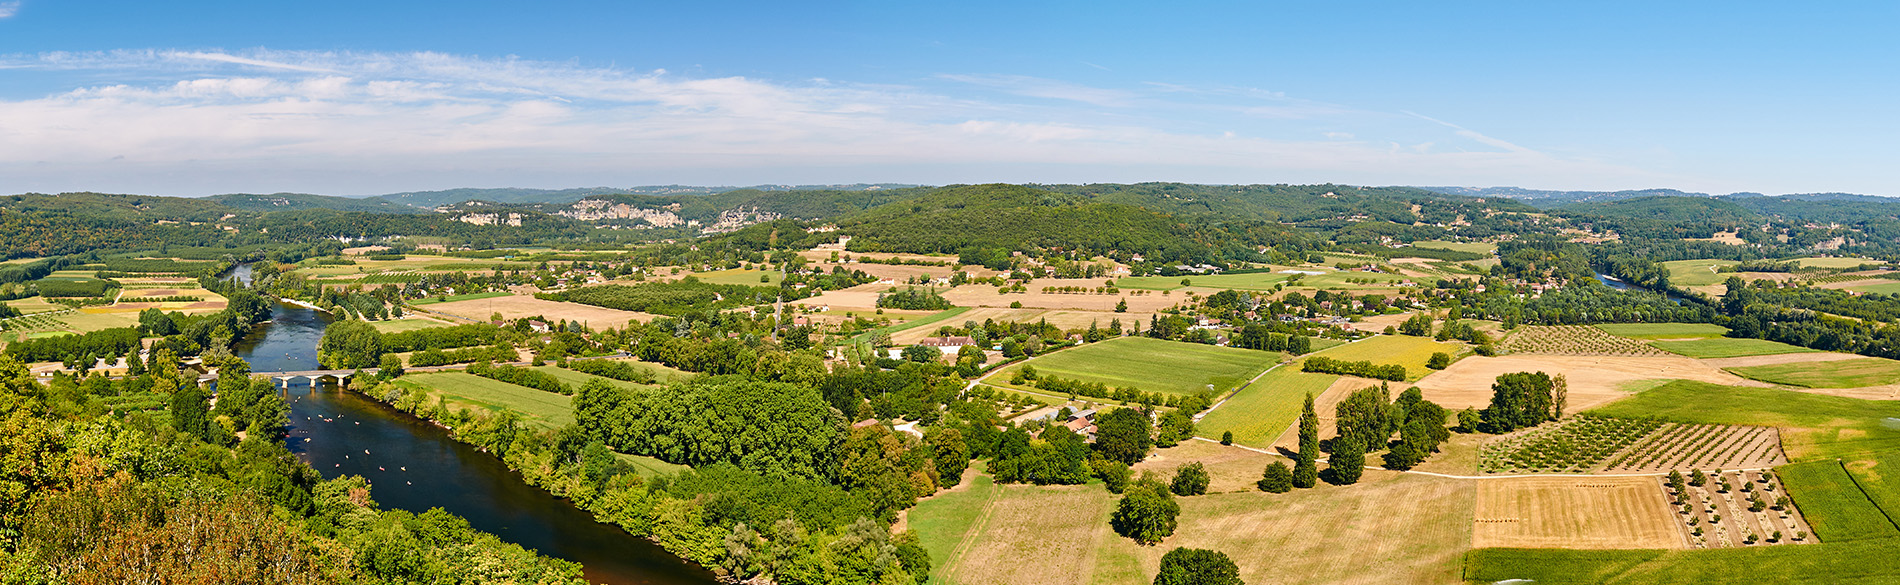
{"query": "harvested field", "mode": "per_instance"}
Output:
(1229, 468)
(1263, 411)
(520, 306)
(863, 297)
(1725, 347)
(1573, 340)
(1249, 281)
(1028, 534)
(1572, 445)
(1717, 514)
(1594, 380)
(1855, 373)
(1682, 447)
(983, 295)
(1573, 512)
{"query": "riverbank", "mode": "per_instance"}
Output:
(620, 498)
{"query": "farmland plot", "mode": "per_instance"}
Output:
(1722, 511)
(1572, 445)
(1573, 512)
(1682, 447)
(1574, 340)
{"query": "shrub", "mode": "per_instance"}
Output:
(1277, 479)
(1193, 566)
(1191, 480)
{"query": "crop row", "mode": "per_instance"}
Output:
(1574, 445)
(1574, 340)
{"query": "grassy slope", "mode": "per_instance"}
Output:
(1258, 414)
(943, 520)
(1841, 374)
(1154, 365)
(1724, 347)
(1697, 272)
(1664, 330)
(546, 409)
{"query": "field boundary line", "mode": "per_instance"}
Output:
(1864, 494)
(963, 544)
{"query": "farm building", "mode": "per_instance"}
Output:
(946, 344)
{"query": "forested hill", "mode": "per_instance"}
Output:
(1676, 209)
(1548, 198)
(507, 195)
(1291, 203)
(811, 204)
(296, 201)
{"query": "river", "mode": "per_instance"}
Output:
(415, 466)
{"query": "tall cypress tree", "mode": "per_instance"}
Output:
(1306, 467)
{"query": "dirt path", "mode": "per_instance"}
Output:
(1785, 358)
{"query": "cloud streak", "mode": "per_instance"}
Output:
(8, 9)
(201, 122)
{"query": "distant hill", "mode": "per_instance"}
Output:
(1666, 208)
(514, 196)
(295, 201)
(1548, 199)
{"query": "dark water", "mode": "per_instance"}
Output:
(1614, 283)
(368, 438)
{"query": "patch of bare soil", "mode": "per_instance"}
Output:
(1593, 380)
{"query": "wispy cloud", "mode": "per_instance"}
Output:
(1467, 133)
(206, 121)
(1047, 88)
(8, 9)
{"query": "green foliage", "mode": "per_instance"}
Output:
(1058, 456)
(1347, 462)
(1368, 417)
(350, 344)
(666, 298)
(1114, 474)
(1519, 400)
(913, 299)
(1277, 479)
(520, 376)
(617, 370)
(770, 428)
(1190, 480)
(1193, 566)
(1123, 435)
(1306, 464)
(1439, 361)
(1363, 369)
(1146, 512)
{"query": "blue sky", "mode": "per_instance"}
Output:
(346, 97)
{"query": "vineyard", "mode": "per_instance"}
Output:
(1572, 445)
(1734, 509)
(1574, 340)
(47, 321)
(1620, 445)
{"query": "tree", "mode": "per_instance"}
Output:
(350, 344)
(1190, 480)
(1519, 400)
(1306, 466)
(1469, 420)
(1438, 361)
(949, 452)
(1419, 325)
(1146, 512)
(1560, 396)
(1176, 426)
(1193, 566)
(1227, 437)
(1348, 461)
(1121, 306)
(190, 413)
(1124, 435)
(390, 366)
(1277, 479)
(1368, 416)
(1114, 474)
(922, 354)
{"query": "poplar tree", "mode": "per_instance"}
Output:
(1306, 466)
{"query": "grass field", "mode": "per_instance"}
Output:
(1885, 288)
(649, 467)
(1258, 414)
(1854, 373)
(545, 409)
(1725, 347)
(1153, 365)
(32, 305)
(1693, 273)
(1813, 426)
(466, 297)
(1833, 504)
(944, 520)
(1861, 562)
(1664, 330)
(1249, 281)
(747, 277)
(1475, 247)
(1404, 350)
(407, 324)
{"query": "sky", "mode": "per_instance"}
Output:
(350, 97)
